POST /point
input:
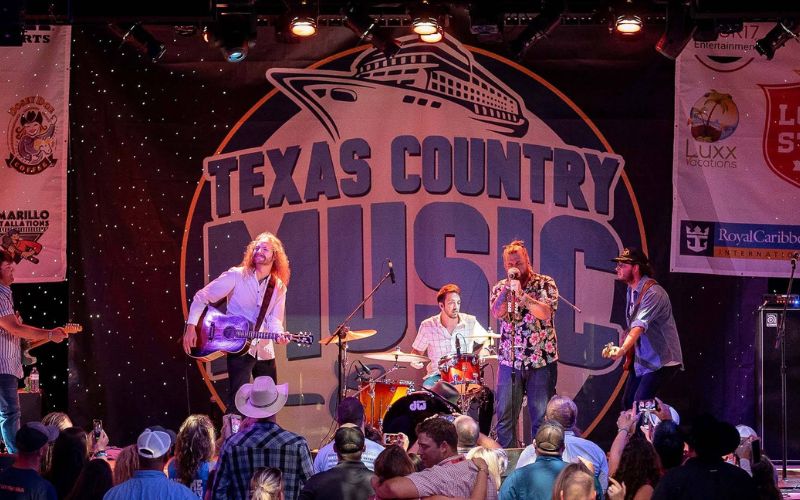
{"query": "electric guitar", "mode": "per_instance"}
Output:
(219, 334)
(26, 345)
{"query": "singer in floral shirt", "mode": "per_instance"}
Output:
(525, 304)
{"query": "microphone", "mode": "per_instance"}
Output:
(391, 272)
(363, 370)
(513, 273)
(458, 346)
(795, 256)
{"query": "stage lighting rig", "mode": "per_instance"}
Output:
(367, 29)
(777, 37)
(539, 28)
(234, 29)
(303, 19)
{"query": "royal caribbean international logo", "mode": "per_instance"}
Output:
(31, 136)
(697, 238)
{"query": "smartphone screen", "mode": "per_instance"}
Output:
(97, 428)
(235, 421)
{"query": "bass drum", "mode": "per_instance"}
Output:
(405, 413)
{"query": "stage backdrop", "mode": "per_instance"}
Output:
(34, 85)
(433, 161)
(736, 157)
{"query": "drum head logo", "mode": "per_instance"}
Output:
(418, 405)
(31, 140)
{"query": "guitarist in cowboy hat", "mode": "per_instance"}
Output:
(652, 339)
(262, 276)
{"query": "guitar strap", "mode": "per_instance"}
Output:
(265, 302)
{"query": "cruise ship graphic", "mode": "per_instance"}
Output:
(430, 77)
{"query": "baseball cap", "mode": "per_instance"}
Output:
(550, 439)
(153, 443)
(33, 435)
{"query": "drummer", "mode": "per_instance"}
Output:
(442, 333)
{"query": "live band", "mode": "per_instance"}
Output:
(452, 347)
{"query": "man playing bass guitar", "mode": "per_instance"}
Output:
(652, 334)
(264, 271)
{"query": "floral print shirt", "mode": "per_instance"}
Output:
(535, 340)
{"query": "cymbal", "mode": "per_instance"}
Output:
(349, 336)
(486, 336)
(397, 356)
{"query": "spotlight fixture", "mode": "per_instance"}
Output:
(138, 37)
(628, 22)
(234, 30)
(777, 37)
(303, 26)
(678, 31)
(303, 20)
(539, 28)
(367, 29)
(434, 37)
(424, 19)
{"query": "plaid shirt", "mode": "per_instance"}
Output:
(534, 339)
(264, 444)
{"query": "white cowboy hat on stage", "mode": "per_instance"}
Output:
(262, 398)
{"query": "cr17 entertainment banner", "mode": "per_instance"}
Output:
(34, 92)
(736, 157)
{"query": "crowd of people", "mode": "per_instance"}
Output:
(652, 456)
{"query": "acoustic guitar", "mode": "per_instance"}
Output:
(219, 334)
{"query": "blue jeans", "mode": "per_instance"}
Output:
(539, 384)
(9, 410)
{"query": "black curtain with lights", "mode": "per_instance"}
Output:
(140, 131)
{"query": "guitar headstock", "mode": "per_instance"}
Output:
(71, 328)
(304, 339)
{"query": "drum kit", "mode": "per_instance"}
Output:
(395, 405)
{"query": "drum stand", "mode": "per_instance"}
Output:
(341, 332)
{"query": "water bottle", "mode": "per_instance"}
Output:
(34, 380)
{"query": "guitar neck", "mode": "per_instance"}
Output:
(262, 335)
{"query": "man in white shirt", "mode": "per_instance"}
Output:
(449, 333)
(446, 333)
(264, 267)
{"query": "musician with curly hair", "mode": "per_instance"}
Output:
(264, 271)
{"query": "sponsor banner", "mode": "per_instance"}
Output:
(736, 154)
(433, 159)
(34, 90)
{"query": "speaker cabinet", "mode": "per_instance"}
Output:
(768, 383)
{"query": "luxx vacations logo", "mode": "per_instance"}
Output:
(31, 131)
(713, 118)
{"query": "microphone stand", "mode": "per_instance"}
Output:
(781, 341)
(341, 332)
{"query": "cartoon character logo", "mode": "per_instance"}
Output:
(31, 137)
(20, 248)
(713, 117)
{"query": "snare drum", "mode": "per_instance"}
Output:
(463, 371)
(385, 393)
